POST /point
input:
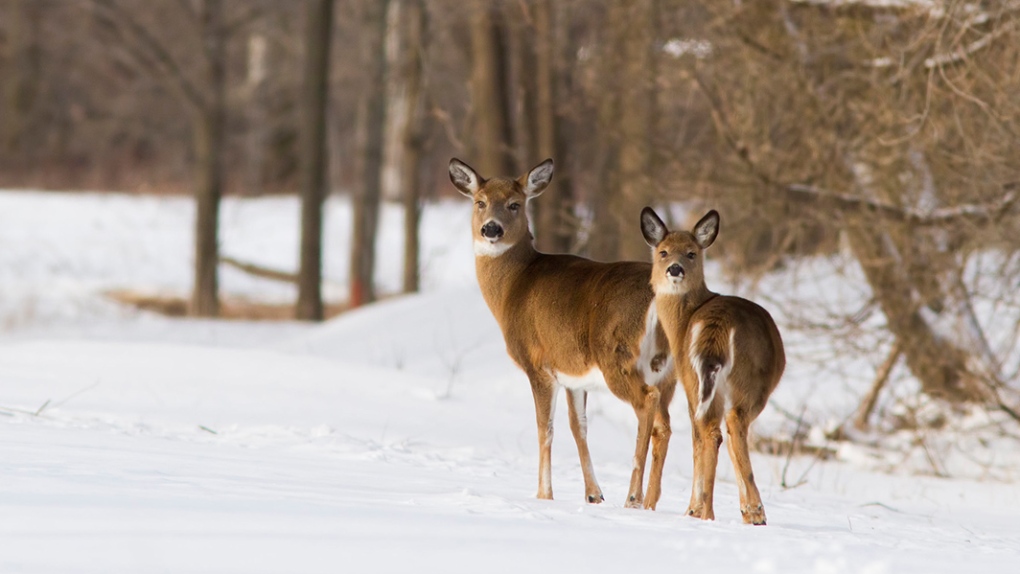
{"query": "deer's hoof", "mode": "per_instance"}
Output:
(700, 512)
(753, 515)
(633, 502)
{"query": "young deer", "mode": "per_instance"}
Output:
(728, 354)
(571, 322)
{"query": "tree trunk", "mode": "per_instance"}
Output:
(554, 229)
(490, 92)
(413, 26)
(371, 120)
(313, 157)
(257, 134)
(21, 83)
(636, 21)
(209, 140)
(938, 364)
(604, 235)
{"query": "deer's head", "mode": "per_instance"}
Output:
(677, 260)
(500, 220)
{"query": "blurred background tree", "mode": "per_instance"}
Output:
(887, 131)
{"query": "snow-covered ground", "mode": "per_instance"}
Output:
(396, 438)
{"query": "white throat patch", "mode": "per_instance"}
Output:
(669, 287)
(485, 249)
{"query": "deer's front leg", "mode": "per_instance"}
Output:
(543, 389)
(660, 444)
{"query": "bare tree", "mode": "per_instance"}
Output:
(625, 121)
(858, 119)
(205, 96)
(313, 157)
(370, 123)
(21, 81)
(490, 91)
(210, 135)
(414, 35)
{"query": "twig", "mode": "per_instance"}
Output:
(930, 456)
(207, 429)
(46, 404)
(72, 395)
(885, 506)
(793, 446)
(42, 408)
(961, 54)
(148, 42)
(842, 203)
(881, 376)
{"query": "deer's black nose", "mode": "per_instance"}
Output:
(675, 270)
(492, 230)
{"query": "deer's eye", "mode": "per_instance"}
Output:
(480, 204)
(691, 255)
(514, 206)
(663, 254)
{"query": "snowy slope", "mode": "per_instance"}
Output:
(395, 438)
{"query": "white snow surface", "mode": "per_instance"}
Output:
(396, 438)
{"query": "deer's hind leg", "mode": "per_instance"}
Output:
(737, 425)
(707, 438)
(579, 427)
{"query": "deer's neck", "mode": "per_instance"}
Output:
(498, 273)
(675, 310)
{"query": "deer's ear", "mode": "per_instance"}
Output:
(538, 178)
(653, 229)
(465, 179)
(707, 229)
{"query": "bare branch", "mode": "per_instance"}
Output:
(974, 214)
(881, 377)
(843, 203)
(965, 52)
(155, 48)
(259, 270)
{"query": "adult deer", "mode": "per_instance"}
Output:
(571, 322)
(727, 351)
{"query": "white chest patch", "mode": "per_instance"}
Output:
(485, 249)
(589, 381)
(650, 348)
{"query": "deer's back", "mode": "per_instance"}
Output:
(568, 313)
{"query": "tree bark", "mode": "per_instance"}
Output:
(22, 77)
(210, 126)
(490, 91)
(636, 21)
(257, 136)
(413, 25)
(554, 229)
(313, 157)
(939, 365)
(371, 120)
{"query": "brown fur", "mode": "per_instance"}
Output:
(687, 308)
(566, 314)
